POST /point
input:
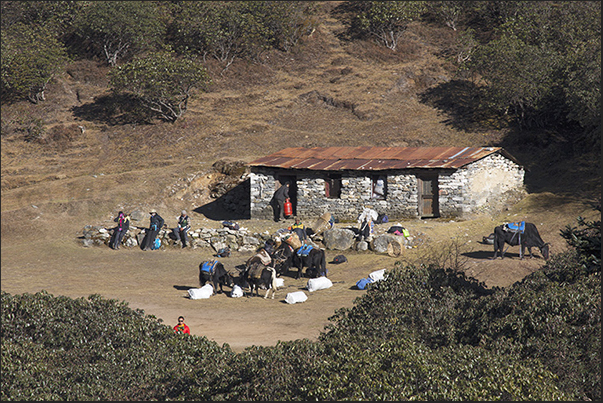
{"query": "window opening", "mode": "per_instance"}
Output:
(333, 186)
(379, 187)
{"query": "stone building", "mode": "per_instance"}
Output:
(415, 182)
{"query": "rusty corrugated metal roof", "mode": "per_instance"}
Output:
(375, 158)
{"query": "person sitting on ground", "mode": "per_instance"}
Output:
(299, 228)
(181, 232)
(181, 327)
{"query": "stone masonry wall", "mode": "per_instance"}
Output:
(401, 201)
(240, 240)
(461, 192)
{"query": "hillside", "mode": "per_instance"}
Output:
(89, 163)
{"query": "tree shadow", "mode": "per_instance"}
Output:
(480, 254)
(114, 110)
(461, 100)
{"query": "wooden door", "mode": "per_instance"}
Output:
(428, 195)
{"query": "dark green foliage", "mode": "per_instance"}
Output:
(385, 21)
(120, 29)
(31, 57)
(57, 348)
(230, 30)
(161, 82)
(586, 241)
(542, 62)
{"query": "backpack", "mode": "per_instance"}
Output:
(382, 219)
(156, 244)
(223, 252)
(339, 259)
(231, 225)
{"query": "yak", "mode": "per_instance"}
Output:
(282, 258)
(256, 275)
(315, 261)
(214, 271)
(513, 233)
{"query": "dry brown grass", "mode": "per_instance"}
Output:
(330, 92)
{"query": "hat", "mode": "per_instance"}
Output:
(183, 212)
(152, 211)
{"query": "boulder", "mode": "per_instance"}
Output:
(380, 244)
(338, 238)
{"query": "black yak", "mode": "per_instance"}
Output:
(514, 234)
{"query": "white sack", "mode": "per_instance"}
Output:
(319, 283)
(201, 293)
(377, 275)
(236, 292)
(297, 296)
(280, 282)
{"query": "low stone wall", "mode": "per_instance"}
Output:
(242, 240)
(238, 240)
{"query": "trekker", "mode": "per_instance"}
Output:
(300, 229)
(181, 327)
(181, 232)
(278, 201)
(156, 223)
(123, 224)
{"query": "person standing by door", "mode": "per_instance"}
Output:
(278, 202)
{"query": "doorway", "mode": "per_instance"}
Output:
(292, 179)
(428, 195)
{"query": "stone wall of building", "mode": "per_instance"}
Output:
(356, 190)
(487, 182)
(461, 192)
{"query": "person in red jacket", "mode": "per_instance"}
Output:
(181, 327)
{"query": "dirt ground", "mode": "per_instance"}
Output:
(157, 281)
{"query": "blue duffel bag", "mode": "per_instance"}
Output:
(363, 282)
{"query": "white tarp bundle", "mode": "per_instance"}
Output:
(280, 282)
(236, 292)
(377, 275)
(319, 283)
(294, 297)
(367, 213)
(200, 293)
